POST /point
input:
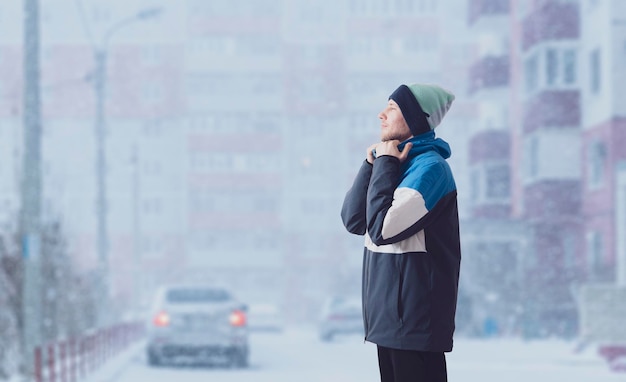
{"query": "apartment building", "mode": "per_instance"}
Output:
(603, 113)
(494, 242)
(546, 176)
(233, 130)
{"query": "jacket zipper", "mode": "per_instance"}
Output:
(399, 307)
(366, 292)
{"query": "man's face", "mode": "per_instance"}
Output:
(392, 123)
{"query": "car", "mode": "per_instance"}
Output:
(341, 315)
(197, 323)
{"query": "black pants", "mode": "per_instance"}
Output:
(411, 366)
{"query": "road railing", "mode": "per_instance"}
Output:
(74, 359)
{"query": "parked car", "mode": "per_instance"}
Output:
(265, 317)
(341, 315)
(197, 323)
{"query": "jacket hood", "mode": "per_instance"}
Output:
(427, 142)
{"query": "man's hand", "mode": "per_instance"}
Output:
(370, 155)
(391, 148)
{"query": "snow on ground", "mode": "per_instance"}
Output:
(297, 355)
(514, 360)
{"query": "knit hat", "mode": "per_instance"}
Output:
(423, 106)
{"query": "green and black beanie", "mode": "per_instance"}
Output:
(423, 106)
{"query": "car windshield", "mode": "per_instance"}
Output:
(184, 296)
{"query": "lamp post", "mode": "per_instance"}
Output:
(30, 220)
(100, 57)
(137, 284)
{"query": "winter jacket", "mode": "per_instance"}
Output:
(408, 214)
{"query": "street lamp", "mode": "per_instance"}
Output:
(100, 56)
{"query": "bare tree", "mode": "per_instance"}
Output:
(68, 297)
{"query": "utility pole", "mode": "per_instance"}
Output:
(620, 223)
(30, 223)
(137, 279)
(100, 80)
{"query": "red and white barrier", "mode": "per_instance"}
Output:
(74, 359)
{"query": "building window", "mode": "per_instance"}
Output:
(152, 168)
(265, 85)
(213, 46)
(357, 7)
(151, 55)
(201, 123)
(397, 7)
(421, 44)
(597, 163)
(266, 241)
(310, 13)
(552, 66)
(498, 183)
(209, 162)
(257, 46)
(152, 92)
(152, 206)
(311, 90)
(595, 68)
(152, 129)
(151, 245)
(569, 66)
(404, 6)
(560, 66)
(475, 184)
(266, 8)
(531, 73)
(595, 249)
(268, 123)
(532, 157)
(569, 250)
(428, 6)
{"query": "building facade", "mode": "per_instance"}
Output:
(603, 57)
(494, 241)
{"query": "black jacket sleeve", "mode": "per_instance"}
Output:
(380, 196)
(353, 209)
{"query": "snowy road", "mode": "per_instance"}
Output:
(298, 356)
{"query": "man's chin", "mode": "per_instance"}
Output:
(387, 139)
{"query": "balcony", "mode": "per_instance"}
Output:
(552, 200)
(486, 8)
(552, 108)
(489, 72)
(491, 185)
(554, 20)
(493, 145)
(491, 211)
(491, 190)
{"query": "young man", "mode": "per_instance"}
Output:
(404, 201)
